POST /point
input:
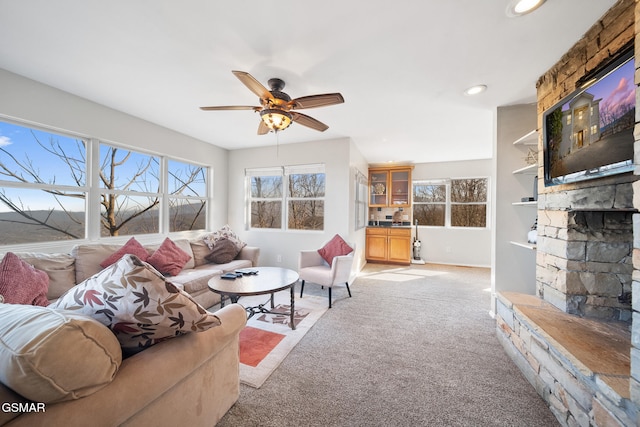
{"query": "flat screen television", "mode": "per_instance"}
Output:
(589, 134)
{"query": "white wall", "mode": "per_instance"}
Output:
(339, 200)
(26, 100)
(460, 246)
(23, 99)
(514, 267)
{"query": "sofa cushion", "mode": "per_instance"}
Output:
(138, 304)
(59, 267)
(131, 247)
(51, 356)
(224, 233)
(169, 259)
(22, 283)
(200, 250)
(88, 258)
(333, 248)
(195, 279)
(223, 251)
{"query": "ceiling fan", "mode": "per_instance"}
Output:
(276, 106)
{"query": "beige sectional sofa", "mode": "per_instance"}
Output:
(67, 270)
(188, 380)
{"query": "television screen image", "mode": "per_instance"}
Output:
(589, 134)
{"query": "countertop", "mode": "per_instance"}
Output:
(388, 224)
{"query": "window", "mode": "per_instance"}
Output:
(43, 185)
(266, 198)
(361, 208)
(187, 196)
(430, 202)
(451, 202)
(469, 202)
(302, 204)
(130, 192)
(48, 192)
(305, 209)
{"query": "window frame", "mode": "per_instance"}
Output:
(92, 189)
(284, 172)
(448, 182)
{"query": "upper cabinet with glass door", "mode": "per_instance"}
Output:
(390, 187)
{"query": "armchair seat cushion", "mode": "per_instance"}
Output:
(320, 274)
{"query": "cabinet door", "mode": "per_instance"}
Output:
(399, 246)
(400, 186)
(376, 246)
(378, 182)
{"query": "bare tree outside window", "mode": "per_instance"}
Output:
(266, 201)
(44, 189)
(451, 202)
(306, 201)
(187, 196)
(303, 198)
(429, 203)
(130, 202)
(42, 185)
(469, 202)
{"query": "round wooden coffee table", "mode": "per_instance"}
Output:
(266, 280)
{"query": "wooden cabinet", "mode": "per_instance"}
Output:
(390, 187)
(388, 244)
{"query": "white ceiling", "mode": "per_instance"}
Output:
(402, 65)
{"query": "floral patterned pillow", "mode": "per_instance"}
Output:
(224, 233)
(138, 304)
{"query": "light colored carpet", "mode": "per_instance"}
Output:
(307, 311)
(412, 347)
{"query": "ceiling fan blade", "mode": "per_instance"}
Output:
(307, 121)
(263, 129)
(231, 107)
(254, 86)
(315, 101)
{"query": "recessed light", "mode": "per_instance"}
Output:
(522, 7)
(474, 90)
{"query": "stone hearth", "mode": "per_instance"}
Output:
(579, 366)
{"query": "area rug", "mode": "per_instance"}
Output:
(267, 339)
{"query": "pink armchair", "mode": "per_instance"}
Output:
(313, 268)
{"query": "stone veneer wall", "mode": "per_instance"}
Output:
(616, 30)
(584, 262)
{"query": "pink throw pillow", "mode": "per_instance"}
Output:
(333, 248)
(132, 247)
(21, 283)
(169, 259)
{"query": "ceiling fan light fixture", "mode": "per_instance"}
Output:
(276, 120)
(522, 7)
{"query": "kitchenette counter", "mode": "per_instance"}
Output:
(388, 224)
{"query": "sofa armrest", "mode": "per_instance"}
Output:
(146, 376)
(251, 253)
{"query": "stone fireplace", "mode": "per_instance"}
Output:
(577, 340)
(584, 259)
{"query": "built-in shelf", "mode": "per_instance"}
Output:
(527, 170)
(525, 245)
(532, 203)
(530, 138)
